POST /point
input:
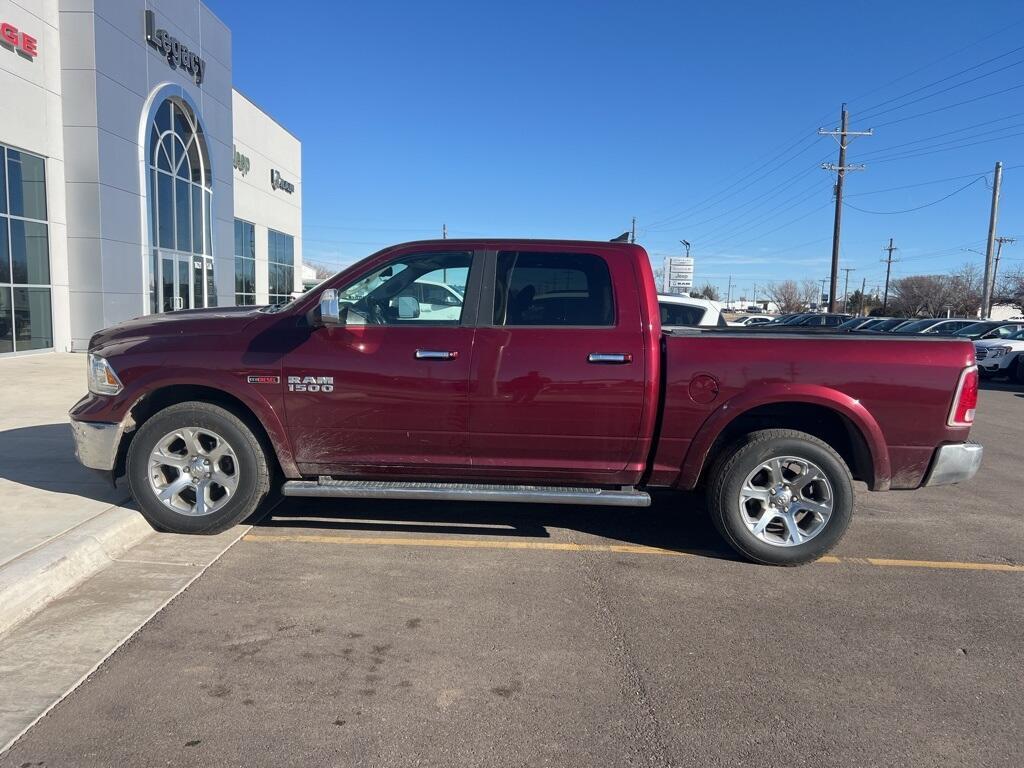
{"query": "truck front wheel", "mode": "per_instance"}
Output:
(780, 497)
(196, 468)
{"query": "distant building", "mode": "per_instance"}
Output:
(678, 277)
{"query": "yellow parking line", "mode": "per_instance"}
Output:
(633, 549)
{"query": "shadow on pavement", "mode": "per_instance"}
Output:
(674, 521)
(999, 386)
(43, 456)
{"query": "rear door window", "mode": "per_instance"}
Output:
(552, 289)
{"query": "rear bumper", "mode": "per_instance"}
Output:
(954, 463)
(96, 443)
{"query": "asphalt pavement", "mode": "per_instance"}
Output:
(364, 633)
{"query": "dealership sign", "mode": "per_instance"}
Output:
(241, 162)
(176, 52)
(278, 182)
(15, 39)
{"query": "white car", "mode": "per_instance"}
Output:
(677, 311)
(1002, 357)
(749, 320)
(437, 301)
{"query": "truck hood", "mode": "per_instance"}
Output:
(1015, 343)
(193, 322)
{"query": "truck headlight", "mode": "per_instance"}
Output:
(102, 379)
(998, 351)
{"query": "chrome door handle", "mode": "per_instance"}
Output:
(607, 358)
(435, 354)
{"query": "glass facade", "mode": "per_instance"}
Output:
(26, 320)
(245, 263)
(181, 218)
(281, 258)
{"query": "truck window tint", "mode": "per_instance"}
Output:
(680, 314)
(560, 289)
(422, 289)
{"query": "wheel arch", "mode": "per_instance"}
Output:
(268, 431)
(831, 416)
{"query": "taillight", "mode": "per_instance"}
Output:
(966, 399)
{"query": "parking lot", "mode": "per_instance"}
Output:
(371, 633)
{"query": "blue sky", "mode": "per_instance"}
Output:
(565, 119)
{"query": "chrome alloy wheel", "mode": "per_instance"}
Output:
(786, 501)
(193, 471)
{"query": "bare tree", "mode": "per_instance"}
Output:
(810, 292)
(322, 270)
(787, 296)
(921, 295)
(708, 291)
(964, 290)
(1011, 288)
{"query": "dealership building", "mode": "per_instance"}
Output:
(134, 179)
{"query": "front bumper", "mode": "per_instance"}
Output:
(96, 443)
(954, 463)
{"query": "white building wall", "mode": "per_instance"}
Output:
(31, 119)
(268, 146)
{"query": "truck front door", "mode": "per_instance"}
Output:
(388, 389)
(558, 375)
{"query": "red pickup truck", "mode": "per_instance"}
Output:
(519, 370)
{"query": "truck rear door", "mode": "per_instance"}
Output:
(557, 382)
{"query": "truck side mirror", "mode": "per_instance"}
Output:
(408, 307)
(330, 310)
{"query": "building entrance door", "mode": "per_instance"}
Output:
(185, 281)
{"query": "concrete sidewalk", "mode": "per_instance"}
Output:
(45, 491)
(80, 569)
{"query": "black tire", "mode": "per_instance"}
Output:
(253, 473)
(735, 464)
(1018, 370)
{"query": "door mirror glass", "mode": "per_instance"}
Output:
(408, 307)
(330, 311)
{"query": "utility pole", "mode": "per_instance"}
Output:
(840, 170)
(986, 288)
(999, 253)
(888, 269)
(728, 294)
(863, 286)
(822, 291)
(444, 231)
(632, 231)
(846, 290)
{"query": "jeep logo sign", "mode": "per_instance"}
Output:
(241, 162)
(176, 52)
(277, 182)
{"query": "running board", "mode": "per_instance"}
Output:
(327, 487)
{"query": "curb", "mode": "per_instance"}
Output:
(32, 580)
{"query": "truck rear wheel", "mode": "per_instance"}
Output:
(780, 497)
(196, 468)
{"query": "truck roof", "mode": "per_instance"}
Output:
(504, 242)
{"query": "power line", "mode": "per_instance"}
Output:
(950, 133)
(922, 153)
(950, 88)
(920, 207)
(919, 184)
(951, 106)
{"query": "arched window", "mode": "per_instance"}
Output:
(180, 196)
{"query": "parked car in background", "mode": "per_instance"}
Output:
(937, 326)
(683, 311)
(1002, 357)
(990, 329)
(826, 320)
(856, 323)
(747, 321)
(884, 324)
(791, 319)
